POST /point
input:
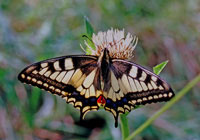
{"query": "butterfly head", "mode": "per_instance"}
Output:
(104, 56)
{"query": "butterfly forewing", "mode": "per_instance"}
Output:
(75, 78)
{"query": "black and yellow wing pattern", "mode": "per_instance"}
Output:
(104, 78)
(74, 78)
(131, 85)
(81, 81)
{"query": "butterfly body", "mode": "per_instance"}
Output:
(102, 79)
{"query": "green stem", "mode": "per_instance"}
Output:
(165, 107)
(124, 126)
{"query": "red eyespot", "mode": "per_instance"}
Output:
(101, 101)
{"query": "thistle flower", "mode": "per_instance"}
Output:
(118, 45)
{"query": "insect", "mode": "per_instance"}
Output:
(106, 78)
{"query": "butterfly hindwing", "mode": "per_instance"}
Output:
(72, 77)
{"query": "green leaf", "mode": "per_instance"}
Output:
(89, 29)
(158, 68)
(89, 33)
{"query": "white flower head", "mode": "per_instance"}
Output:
(118, 45)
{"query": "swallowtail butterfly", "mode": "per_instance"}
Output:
(105, 78)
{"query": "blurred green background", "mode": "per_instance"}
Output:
(34, 30)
